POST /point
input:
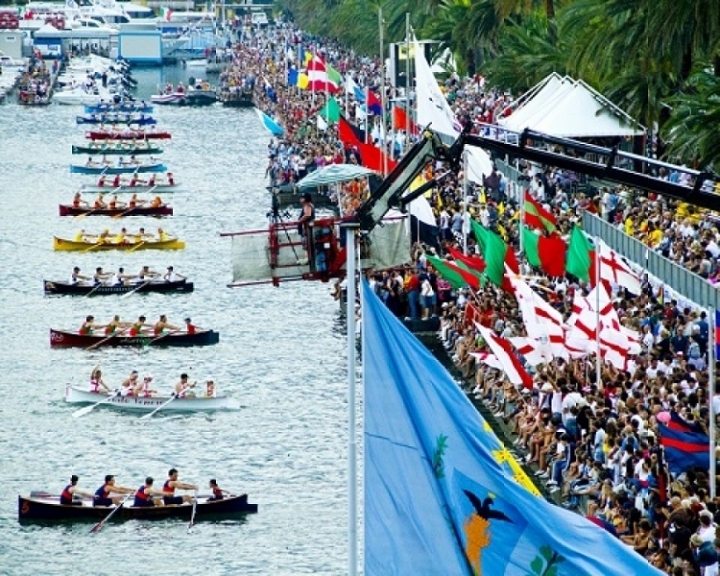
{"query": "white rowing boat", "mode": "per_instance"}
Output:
(76, 395)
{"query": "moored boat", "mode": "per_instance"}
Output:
(70, 210)
(120, 148)
(71, 339)
(242, 99)
(48, 508)
(99, 168)
(100, 118)
(66, 245)
(127, 135)
(190, 97)
(161, 286)
(77, 395)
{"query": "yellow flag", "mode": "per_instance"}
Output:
(481, 197)
(501, 209)
(303, 81)
(502, 231)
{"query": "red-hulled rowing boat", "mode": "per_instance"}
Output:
(70, 210)
(127, 135)
(71, 339)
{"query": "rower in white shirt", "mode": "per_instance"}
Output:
(172, 276)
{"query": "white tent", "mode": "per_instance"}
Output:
(571, 109)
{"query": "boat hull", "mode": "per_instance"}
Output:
(124, 150)
(115, 108)
(68, 210)
(75, 395)
(129, 169)
(110, 119)
(63, 245)
(127, 135)
(56, 287)
(195, 98)
(67, 339)
(50, 510)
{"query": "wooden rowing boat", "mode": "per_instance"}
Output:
(71, 339)
(65, 245)
(113, 118)
(76, 395)
(160, 286)
(70, 210)
(123, 169)
(49, 509)
(127, 149)
(126, 135)
(128, 107)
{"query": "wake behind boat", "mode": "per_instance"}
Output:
(78, 395)
(48, 508)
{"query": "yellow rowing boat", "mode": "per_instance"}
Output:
(73, 246)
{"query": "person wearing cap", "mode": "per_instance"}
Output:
(210, 390)
(71, 491)
(183, 387)
(143, 389)
(172, 276)
(305, 220)
(104, 494)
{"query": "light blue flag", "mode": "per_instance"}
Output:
(270, 125)
(442, 494)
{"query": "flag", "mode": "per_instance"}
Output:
(545, 252)
(331, 111)
(373, 103)
(352, 88)
(580, 257)
(334, 76)
(536, 216)
(432, 107)
(318, 77)
(717, 335)
(686, 444)
(349, 134)
(512, 367)
(614, 269)
(458, 277)
(165, 12)
(270, 125)
(443, 495)
(496, 255)
(401, 119)
(292, 77)
(322, 125)
(472, 262)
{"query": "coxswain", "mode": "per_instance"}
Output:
(162, 236)
(127, 388)
(100, 201)
(156, 202)
(172, 484)
(162, 325)
(172, 276)
(114, 325)
(136, 328)
(143, 389)
(97, 382)
(88, 327)
(190, 328)
(217, 492)
(104, 494)
(183, 388)
(210, 390)
(76, 277)
(144, 495)
(71, 491)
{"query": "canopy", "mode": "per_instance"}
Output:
(570, 108)
(334, 173)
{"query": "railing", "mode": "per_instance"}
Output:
(682, 281)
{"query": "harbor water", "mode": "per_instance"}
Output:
(281, 353)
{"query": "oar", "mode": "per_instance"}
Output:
(98, 285)
(137, 246)
(88, 409)
(134, 207)
(100, 524)
(93, 246)
(192, 516)
(173, 396)
(140, 287)
(106, 339)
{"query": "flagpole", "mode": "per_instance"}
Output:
(711, 393)
(407, 80)
(382, 94)
(522, 219)
(350, 229)
(367, 113)
(465, 221)
(598, 362)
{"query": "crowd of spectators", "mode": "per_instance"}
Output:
(593, 439)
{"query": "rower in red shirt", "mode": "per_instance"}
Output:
(144, 494)
(67, 496)
(104, 494)
(190, 328)
(172, 484)
(217, 492)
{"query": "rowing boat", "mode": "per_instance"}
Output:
(126, 135)
(70, 210)
(160, 286)
(65, 245)
(48, 508)
(121, 148)
(71, 339)
(123, 107)
(76, 395)
(116, 119)
(124, 186)
(122, 169)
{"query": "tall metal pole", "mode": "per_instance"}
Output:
(711, 394)
(465, 217)
(350, 230)
(382, 94)
(407, 79)
(598, 360)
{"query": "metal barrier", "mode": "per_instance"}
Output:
(693, 287)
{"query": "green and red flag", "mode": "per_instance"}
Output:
(497, 255)
(473, 262)
(536, 216)
(545, 252)
(580, 259)
(458, 277)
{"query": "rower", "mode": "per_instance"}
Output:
(190, 328)
(68, 495)
(88, 327)
(115, 203)
(156, 202)
(121, 237)
(170, 179)
(112, 327)
(78, 201)
(100, 277)
(162, 325)
(151, 180)
(172, 276)
(127, 388)
(217, 492)
(101, 180)
(172, 484)
(143, 389)
(103, 495)
(147, 274)
(136, 328)
(210, 390)
(76, 277)
(100, 201)
(162, 235)
(116, 181)
(134, 202)
(118, 279)
(144, 495)
(104, 236)
(96, 381)
(183, 388)
(81, 236)
(135, 180)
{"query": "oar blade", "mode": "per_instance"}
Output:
(82, 411)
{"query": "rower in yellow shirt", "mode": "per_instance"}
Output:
(162, 235)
